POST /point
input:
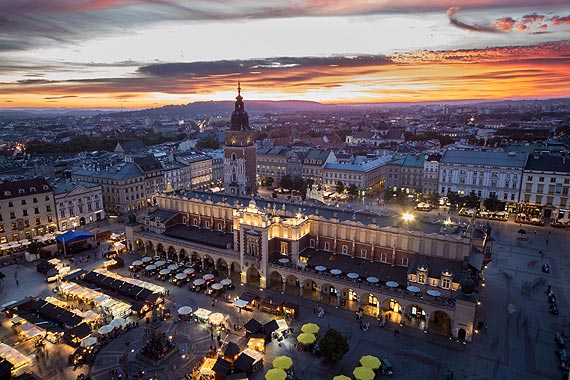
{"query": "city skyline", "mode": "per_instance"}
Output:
(139, 54)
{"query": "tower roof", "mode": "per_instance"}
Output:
(240, 119)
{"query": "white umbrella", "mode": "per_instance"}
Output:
(284, 260)
(188, 271)
(146, 259)
(207, 277)
(136, 263)
(336, 271)
(104, 330)
(172, 267)
(160, 263)
(180, 276)
(320, 268)
(164, 271)
(301, 264)
(372, 280)
(199, 282)
(352, 276)
(226, 281)
(216, 318)
(118, 322)
(392, 284)
(89, 342)
(150, 267)
(433, 293)
(413, 289)
(24, 241)
(216, 286)
(185, 310)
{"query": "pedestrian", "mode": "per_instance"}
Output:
(17, 283)
(395, 332)
(546, 241)
(16, 274)
(212, 335)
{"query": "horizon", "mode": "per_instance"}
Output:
(124, 55)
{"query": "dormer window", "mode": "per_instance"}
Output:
(21, 191)
(7, 193)
(46, 187)
(422, 274)
(446, 279)
(32, 189)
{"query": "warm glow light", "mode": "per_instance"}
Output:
(408, 217)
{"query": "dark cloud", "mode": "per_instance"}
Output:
(279, 64)
(60, 97)
(528, 19)
(452, 14)
(557, 20)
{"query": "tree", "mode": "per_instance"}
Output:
(208, 142)
(34, 248)
(267, 181)
(333, 346)
(493, 204)
(286, 181)
(339, 187)
(453, 198)
(433, 199)
(353, 190)
(472, 200)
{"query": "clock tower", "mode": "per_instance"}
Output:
(240, 167)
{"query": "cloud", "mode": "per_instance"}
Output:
(530, 18)
(60, 97)
(505, 24)
(557, 20)
(452, 14)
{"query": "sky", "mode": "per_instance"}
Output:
(149, 53)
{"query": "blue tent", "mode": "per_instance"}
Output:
(73, 236)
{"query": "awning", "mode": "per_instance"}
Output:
(240, 303)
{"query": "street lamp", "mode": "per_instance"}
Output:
(408, 217)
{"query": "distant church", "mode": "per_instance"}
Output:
(239, 153)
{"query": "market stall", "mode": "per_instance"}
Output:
(185, 313)
(216, 319)
(207, 369)
(20, 362)
(202, 315)
(257, 344)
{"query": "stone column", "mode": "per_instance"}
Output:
(427, 322)
(284, 286)
(338, 300)
(295, 252)
(229, 270)
(301, 289)
(319, 292)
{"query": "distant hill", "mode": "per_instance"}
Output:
(226, 107)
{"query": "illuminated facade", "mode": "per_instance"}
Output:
(279, 246)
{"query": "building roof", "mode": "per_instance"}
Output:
(436, 265)
(508, 159)
(548, 163)
(24, 188)
(414, 161)
(319, 156)
(200, 235)
(147, 163)
(365, 167)
(121, 171)
(130, 146)
(275, 151)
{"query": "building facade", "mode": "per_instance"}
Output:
(487, 174)
(272, 163)
(275, 245)
(78, 204)
(431, 174)
(546, 186)
(27, 209)
(240, 167)
(367, 175)
(314, 162)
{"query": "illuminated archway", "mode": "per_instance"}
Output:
(440, 323)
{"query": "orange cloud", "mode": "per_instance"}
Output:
(538, 71)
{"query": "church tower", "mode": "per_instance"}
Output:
(240, 167)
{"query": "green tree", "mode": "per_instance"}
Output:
(286, 182)
(208, 142)
(333, 346)
(493, 204)
(339, 187)
(267, 181)
(472, 200)
(34, 248)
(433, 199)
(353, 190)
(453, 198)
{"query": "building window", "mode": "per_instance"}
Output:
(383, 257)
(345, 249)
(284, 248)
(446, 282)
(12, 215)
(422, 277)
(24, 212)
(327, 246)
(311, 243)
(207, 224)
(35, 200)
(195, 222)
(38, 221)
(10, 204)
(23, 201)
(363, 253)
(219, 226)
(404, 261)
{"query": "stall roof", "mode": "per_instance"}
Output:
(81, 331)
(231, 350)
(270, 326)
(74, 274)
(222, 366)
(252, 326)
(74, 235)
(244, 362)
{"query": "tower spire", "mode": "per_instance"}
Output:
(239, 87)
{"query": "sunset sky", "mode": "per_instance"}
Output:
(148, 53)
